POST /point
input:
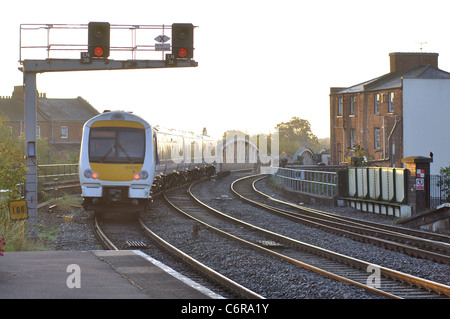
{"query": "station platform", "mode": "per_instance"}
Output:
(125, 274)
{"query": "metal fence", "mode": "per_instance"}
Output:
(52, 174)
(322, 183)
(439, 190)
(57, 173)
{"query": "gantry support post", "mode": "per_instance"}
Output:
(30, 153)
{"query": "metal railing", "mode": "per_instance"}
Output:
(439, 190)
(68, 40)
(322, 183)
(49, 173)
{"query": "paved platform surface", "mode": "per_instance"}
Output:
(128, 274)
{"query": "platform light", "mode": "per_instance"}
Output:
(98, 39)
(183, 40)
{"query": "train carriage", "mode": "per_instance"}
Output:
(123, 160)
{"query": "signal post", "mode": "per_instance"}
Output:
(94, 59)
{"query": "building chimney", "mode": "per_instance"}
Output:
(401, 61)
(18, 93)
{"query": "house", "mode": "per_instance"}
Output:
(403, 113)
(59, 120)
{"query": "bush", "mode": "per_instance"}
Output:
(12, 164)
(445, 182)
(12, 177)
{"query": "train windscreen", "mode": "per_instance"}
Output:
(116, 145)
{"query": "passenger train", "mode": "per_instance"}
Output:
(124, 161)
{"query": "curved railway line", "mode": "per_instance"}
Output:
(415, 243)
(393, 284)
(380, 280)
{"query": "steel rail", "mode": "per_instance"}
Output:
(205, 270)
(385, 272)
(417, 233)
(365, 232)
(366, 235)
(102, 236)
(276, 254)
(209, 272)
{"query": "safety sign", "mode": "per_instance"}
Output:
(420, 184)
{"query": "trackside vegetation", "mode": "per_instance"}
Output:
(12, 177)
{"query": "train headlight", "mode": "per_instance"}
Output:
(88, 173)
(141, 175)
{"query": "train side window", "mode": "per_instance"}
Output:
(162, 146)
(155, 149)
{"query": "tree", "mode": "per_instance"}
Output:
(12, 163)
(444, 183)
(357, 156)
(295, 134)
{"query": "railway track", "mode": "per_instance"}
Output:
(415, 243)
(109, 233)
(374, 278)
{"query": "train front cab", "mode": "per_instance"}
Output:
(120, 168)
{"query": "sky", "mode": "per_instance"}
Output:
(260, 63)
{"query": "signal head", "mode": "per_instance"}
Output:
(98, 39)
(183, 40)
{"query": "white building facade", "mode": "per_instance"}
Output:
(426, 120)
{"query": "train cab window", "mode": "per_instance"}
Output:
(117, 145)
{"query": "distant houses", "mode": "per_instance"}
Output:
(59, 120)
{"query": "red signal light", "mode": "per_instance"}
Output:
(137, 177)
(182, 52)
(94, 175)
(98, 51)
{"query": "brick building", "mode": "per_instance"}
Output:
(402, 113)
(59, 120)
